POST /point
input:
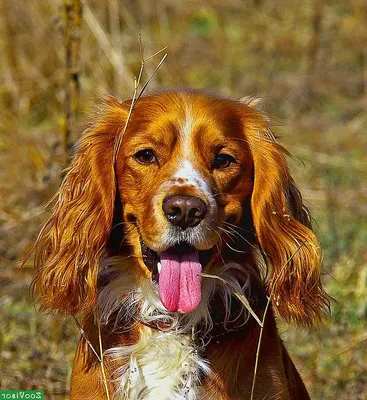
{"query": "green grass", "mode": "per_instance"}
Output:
(36, 351)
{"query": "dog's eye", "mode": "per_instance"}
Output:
(145, 156)
(222, 161)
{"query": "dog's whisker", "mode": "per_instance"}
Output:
(119, 224)
(236, 227)
(220, 194)
(237, 251)
(231, 235)
(218, 234)
(241, 236)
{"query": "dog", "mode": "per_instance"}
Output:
(154, 243)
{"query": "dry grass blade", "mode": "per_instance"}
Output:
(258, 349)
(119, 138)
(136, 97)
(72, 29)
(264, 316)
(101, 359)
(81, 330)
(241, 297)
(100, 355)
(113, 54)
(151, 76)
(193, 333)
(156, 53)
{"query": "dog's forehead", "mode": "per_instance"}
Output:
(168, 117)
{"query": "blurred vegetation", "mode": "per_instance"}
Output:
(306, 59)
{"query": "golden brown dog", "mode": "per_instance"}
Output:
(198, 185)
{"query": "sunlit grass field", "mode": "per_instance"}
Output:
(308, 63)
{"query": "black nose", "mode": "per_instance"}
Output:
(184, 211)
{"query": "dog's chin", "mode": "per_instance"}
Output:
(177, 271)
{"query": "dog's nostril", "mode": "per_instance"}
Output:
(195, 212)
(174, 211)
(184, 211)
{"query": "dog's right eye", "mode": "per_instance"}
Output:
(145, 156)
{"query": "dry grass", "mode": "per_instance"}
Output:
(308, 62)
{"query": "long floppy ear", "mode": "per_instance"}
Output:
(283, 228)
(72, 242)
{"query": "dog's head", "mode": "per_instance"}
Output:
(190, 170)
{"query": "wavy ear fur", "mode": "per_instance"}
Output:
(72, 242)
(283, 228)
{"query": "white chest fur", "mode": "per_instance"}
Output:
(162, 365)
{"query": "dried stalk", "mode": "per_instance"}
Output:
(102, 359)
(111, 49)
(240, 296)
(100, 355)
(85, 337)
(137, 96)
(72, 34)
(264, 316)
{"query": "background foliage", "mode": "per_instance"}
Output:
(306, 59)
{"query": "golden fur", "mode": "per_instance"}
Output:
(108, 203)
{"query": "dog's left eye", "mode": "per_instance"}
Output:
(145, 156)
(222, 161)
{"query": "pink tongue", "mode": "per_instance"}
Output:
(180, 282)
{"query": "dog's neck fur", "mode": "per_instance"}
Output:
(166, 361)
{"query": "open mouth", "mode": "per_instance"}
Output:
(177, 272)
